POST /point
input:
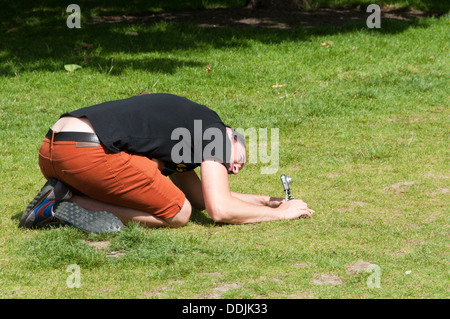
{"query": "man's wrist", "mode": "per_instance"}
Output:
(274, 202)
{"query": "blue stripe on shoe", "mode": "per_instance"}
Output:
(43, 211)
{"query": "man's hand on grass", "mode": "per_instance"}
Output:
(295, 208)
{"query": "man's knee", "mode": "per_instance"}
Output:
(182, 217)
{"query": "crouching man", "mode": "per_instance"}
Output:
(115, 158)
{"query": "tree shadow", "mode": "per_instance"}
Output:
(266, 19)
(35, 36)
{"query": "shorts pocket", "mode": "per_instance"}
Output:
(81, 169)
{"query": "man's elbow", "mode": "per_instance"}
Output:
(217, 213)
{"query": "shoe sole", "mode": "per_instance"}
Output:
(88, 221)
(43, 193)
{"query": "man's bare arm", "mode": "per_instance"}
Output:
(259, 199)
(222, 206)
(189, 183)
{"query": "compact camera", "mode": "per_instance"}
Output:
(286, 181)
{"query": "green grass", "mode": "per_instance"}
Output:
(363, 133)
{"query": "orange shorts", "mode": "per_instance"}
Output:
(117, 178)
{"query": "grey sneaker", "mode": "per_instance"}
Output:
(88, 221)
(39, 210)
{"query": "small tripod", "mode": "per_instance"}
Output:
(286, 181)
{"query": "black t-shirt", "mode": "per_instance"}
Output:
(173, 129)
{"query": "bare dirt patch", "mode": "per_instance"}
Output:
(400, 187)
(326, 279)
(358, 267)
(218, 292)
(98, 245)
(103, 246)
(213, 274)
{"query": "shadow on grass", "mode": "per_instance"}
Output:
(35, 37)
(201, 218)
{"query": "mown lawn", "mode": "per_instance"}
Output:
(363, 130)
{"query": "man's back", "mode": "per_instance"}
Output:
(144, 124)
